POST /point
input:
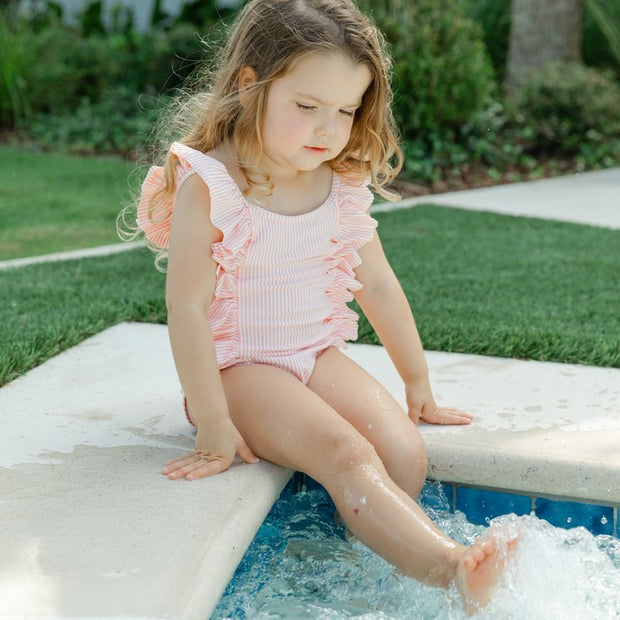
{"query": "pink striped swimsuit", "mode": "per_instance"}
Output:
(282, 282)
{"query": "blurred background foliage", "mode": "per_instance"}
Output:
(97, 85)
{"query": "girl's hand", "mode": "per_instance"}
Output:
(422, 406)
(216, 447)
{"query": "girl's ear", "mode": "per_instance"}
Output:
(247, 79)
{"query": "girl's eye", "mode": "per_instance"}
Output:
(306, 108)
(347, 112)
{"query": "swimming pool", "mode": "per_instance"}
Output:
(301, 566)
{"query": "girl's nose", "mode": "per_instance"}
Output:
(326, 127)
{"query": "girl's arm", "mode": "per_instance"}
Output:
(189, 290)
(384, 303)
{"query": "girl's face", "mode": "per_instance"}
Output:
(310, 112)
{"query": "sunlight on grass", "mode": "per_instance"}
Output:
(54, 202)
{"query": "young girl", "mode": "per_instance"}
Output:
(262, 207)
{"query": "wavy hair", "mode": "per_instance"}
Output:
(270, 36)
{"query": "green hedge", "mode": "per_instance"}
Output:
(569, 110)
(442, 74)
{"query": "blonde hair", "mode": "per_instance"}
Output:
(270, 36)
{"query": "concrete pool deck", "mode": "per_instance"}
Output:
(88, 529)
(589, 198)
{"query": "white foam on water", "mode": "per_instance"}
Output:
(557, 573)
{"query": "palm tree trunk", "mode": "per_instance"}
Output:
(542, 31)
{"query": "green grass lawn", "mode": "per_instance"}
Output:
(54, 202)
(50, 307)
(478, 283)
(508, 286)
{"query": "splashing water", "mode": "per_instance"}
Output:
(301, 566)
(556, 573)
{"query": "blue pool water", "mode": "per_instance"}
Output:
(301, 566)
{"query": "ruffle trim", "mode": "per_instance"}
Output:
(229, 213)
(154, 216)
(355, 230)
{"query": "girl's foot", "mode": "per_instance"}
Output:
(479, 570)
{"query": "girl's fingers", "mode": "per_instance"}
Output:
(198, 466)
(207, 468)
(181, 461)
(447, 415)
(198, 469)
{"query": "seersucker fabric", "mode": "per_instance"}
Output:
(282, 282)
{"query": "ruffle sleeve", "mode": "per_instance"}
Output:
(155, 212)
(154, 215)
(229, 213)
(356, 228)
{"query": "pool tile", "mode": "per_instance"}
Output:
(479, 505)
(597, 519)
(302, 482)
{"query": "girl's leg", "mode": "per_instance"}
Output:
(359, 398)
(285, 422)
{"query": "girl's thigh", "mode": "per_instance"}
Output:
(285, 422)
(343, 413)
(361, 400)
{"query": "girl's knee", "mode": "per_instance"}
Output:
(416, 453)
(351, 451)
(406, 462)
(416, 477)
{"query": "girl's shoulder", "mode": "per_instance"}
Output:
(217, 168)
(206, 165)
(156, 207)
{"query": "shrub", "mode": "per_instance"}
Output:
(71, 68)
(568, 110)
(494, 19)
(442, 80)
(445, 159)
(17, 55)
(47, 67)
(119, 122)
(68, 69)
(442, 76)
